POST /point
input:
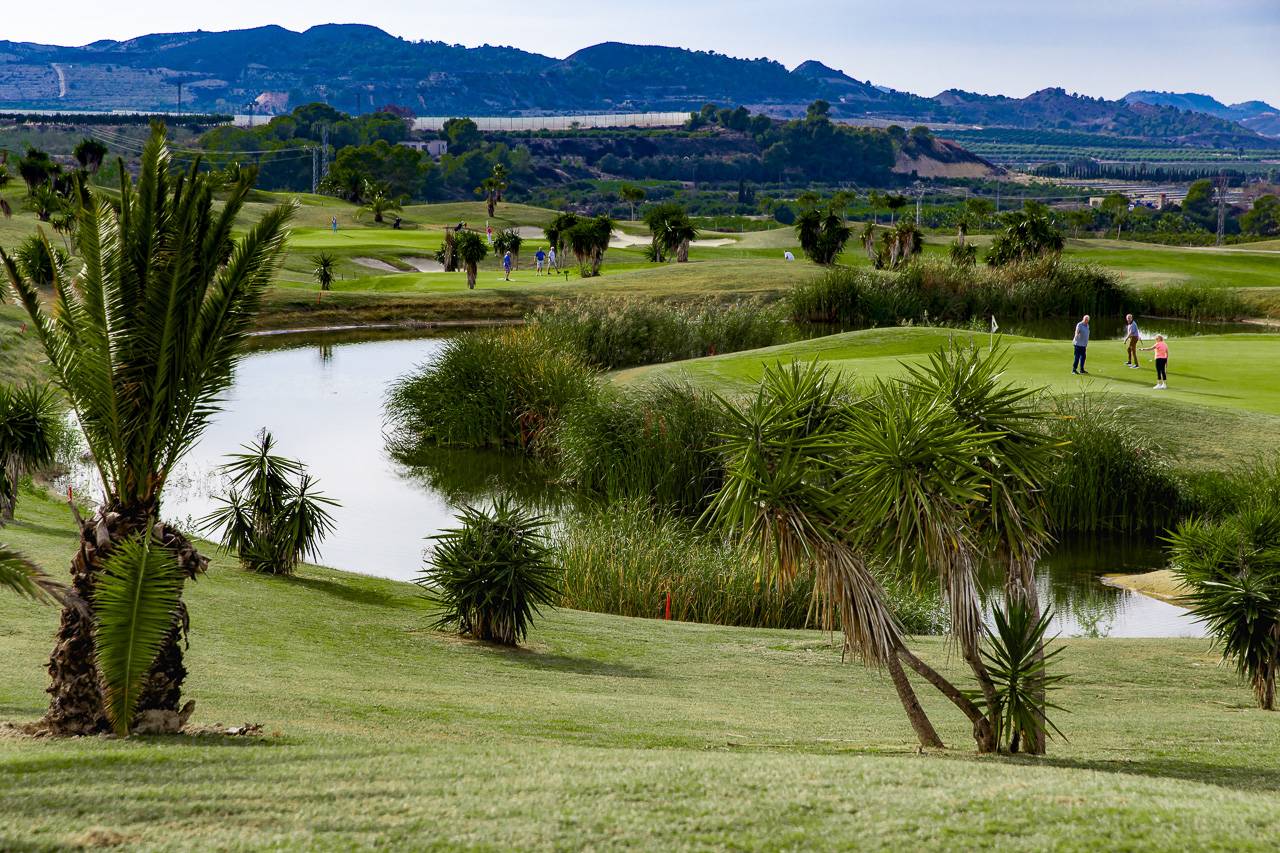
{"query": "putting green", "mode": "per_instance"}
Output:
(1233, 371)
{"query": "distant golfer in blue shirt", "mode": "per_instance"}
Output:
(1131, 338)
(506, 264)
(1081, 343)
(540, 257)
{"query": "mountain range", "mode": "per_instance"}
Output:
(358, 67)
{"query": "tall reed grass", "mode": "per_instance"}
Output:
(1110, 475)
(655, 441)
(500, 388)
(1193, 303)
(624, 560)
(932, 290)
(612, 333)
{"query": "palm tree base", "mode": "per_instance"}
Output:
(76, 701)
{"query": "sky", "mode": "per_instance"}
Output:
(1227, 48)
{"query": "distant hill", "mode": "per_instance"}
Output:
(360, 68)
(1258, 116)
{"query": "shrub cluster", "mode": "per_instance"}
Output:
(488, 389)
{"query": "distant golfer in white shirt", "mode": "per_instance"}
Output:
(787, 256)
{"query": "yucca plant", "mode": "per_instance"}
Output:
(143, 342)
(1232, 569)
(491, 575)
(30, 428)
(323, 266)
(273, 518)
(1019, 668)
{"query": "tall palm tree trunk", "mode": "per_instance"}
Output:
(925, 732)
(75, 694)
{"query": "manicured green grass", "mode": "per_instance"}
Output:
(1222, 406)
(608, 732)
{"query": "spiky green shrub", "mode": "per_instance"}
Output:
(32, 430)
(1110, 476)
(1012, 653)
(273, 518)
(500, 388)
(1232, 569)
(491, 575)
(658, 441)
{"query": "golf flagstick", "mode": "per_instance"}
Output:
(991, 340)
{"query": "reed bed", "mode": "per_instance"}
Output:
(655, 441)
(1110, 475)
(625, 560)
(935, 291)
(612, 333)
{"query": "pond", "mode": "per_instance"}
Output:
(323, 399)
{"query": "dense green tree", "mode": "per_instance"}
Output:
(1263, 219)
(462, 135)
(143, 345)
(36, 169)
(589, 240)
(1200, 205)
(632, 195)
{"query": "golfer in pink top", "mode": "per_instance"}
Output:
(1162, 358)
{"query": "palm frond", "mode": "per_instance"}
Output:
(20, 575)
(135, 600)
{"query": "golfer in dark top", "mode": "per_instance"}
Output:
(1081, 342)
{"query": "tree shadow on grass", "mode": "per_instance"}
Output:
(1251, 779)
(352, 593)
(555, 662)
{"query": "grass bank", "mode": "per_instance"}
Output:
(1222, 406)
(609, 732)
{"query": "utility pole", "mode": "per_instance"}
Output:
(324, 149)
(1221, 183)
(179, 97)
(919, 196)
(315, 170)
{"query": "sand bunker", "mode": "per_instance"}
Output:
(424, 264)
(375, 264)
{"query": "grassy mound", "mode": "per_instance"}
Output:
(607, 732)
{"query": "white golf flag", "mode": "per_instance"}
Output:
(995, 327)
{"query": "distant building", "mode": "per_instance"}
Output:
(434, 147)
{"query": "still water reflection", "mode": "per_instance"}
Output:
(322, 399)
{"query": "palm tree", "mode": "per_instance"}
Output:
(869, 240)
(1029, 233)
(30, 425)
(470, 249)
(876, 200)
(508, 240)
(89, 153)
(377, 201)
(559, 226)
(899, 245)
(633, 195)
(323, 270)
(895, 202)
(822, 235)
(493, 187)
(674, 236)
(143, 345)
(1232, 569)
(921, 476)
(588, 240)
